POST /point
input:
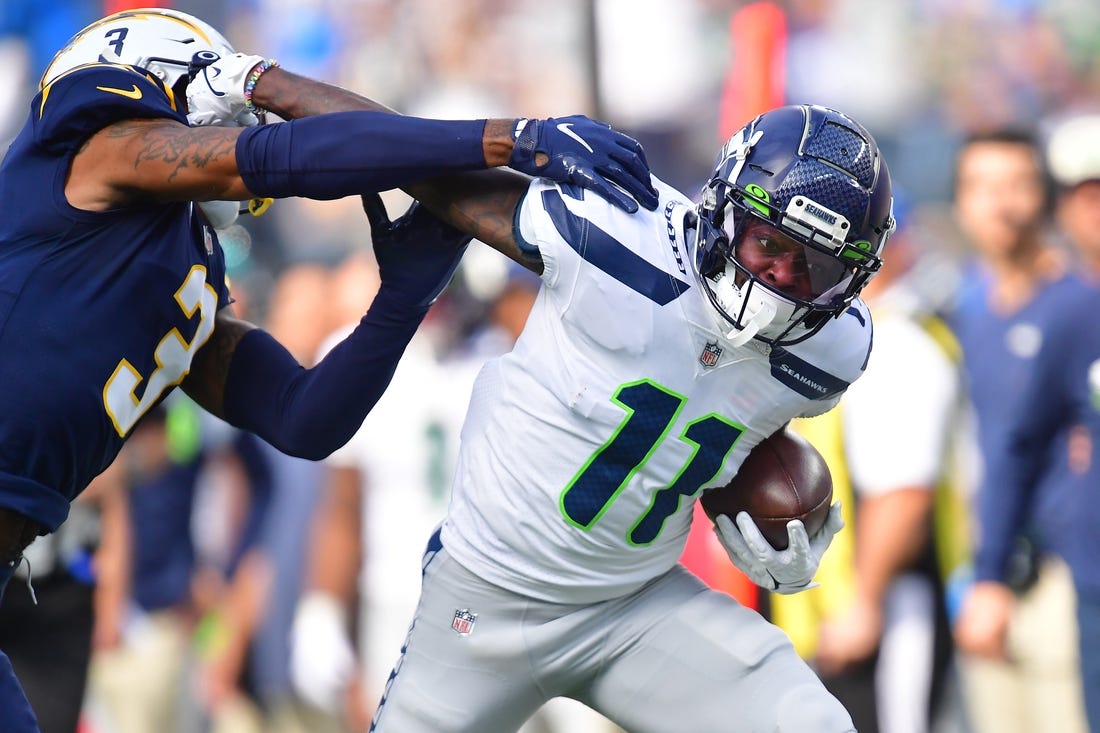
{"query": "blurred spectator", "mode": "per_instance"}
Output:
(876, 630)
(73, 602)
(381, 496)
(244, 678)
(1016, 626)
(139, 683)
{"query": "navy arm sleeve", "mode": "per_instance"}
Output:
(348, 153)
(309, 413)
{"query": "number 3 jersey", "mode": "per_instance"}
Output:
(100, 313)
(585, 448)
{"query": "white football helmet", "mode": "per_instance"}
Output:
(158, 40)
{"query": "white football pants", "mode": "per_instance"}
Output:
(672, 657)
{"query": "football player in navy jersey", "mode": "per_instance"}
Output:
(112, 280)
(661, 348)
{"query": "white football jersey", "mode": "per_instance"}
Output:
(585, 448)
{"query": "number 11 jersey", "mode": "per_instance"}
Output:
(585, 447)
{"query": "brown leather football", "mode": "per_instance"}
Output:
(782, 478)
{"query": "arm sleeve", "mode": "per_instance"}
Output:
(348, 153)
(309, 413)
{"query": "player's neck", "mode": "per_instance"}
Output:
(1016, 278)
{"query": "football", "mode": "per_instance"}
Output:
(783, 478)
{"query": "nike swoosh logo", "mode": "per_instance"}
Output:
(564, 127)
(134, 93)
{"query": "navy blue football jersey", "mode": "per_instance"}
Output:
(100, 313)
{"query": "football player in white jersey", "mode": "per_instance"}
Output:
(662, 347)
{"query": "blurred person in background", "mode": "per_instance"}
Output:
(876, 630)
(80, 576)
(179, 467)
(140, 684)
(245, 674)
(1062, 406)
(1016, 627)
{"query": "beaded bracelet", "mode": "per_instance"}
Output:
(250, 85)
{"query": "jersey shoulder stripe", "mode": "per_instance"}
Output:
(610, 255)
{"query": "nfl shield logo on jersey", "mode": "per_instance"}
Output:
(710, 354)
(464, 622)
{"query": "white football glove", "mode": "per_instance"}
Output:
(781, 571)
(322, 659)
(215, 96)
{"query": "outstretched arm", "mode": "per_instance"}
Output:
(293, 97)
(574, 149)
(137, 148)
(481, 204)
(330, 156)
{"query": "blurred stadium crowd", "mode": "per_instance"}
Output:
(233, 606)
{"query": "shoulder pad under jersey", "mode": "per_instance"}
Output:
(79, 103)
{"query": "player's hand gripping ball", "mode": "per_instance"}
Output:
(782, 478)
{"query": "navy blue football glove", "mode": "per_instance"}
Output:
(417, 253)
(587, 153)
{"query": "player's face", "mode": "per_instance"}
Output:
(775, 258)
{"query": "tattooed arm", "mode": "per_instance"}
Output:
(145, 161)
(141, 161)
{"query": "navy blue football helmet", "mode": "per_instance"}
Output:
(792, 223)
